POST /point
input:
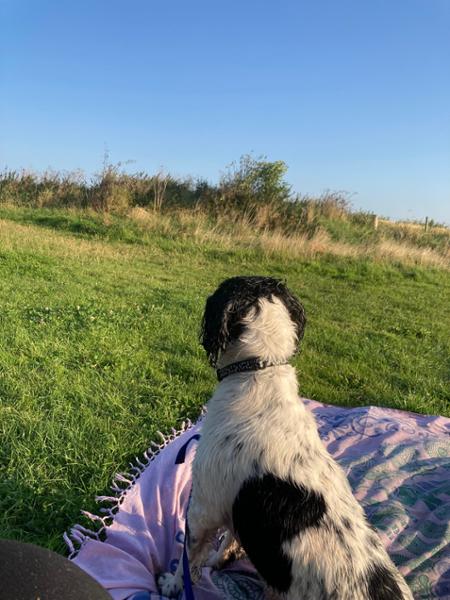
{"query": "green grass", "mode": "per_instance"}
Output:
(99, 348)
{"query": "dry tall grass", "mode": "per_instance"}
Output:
(240, 231)
(199, 228)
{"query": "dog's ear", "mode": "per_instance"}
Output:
(220, 325)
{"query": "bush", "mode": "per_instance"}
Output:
(254, 182)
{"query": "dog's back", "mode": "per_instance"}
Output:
(284, 497)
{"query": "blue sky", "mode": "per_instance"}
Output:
(353, 95)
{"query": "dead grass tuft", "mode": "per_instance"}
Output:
(228, 232)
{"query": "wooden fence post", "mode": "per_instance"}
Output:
(375, 221)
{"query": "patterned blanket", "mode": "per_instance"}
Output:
(398, 465)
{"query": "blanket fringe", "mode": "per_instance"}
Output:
(121, 484)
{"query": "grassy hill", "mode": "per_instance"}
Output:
(99, 337)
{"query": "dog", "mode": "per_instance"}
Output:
(261, 471)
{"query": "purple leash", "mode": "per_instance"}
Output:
(187, 581)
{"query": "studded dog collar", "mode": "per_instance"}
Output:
(250, 364)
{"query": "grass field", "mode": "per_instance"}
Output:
(99, 345)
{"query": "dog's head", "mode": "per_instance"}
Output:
(254, 316)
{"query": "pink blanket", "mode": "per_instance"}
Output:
(398, 465)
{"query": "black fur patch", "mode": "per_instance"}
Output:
(381, 584)
(238, 448)
(298, 458)
(346, 523)
(269, 511)
(230, 303)
(339, 533)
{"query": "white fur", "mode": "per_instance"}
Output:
(262, 411)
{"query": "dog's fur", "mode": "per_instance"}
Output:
(262, 472)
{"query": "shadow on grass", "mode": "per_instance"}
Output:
(86, 225)
(75, 225)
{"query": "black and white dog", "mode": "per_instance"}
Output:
(261, 470)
